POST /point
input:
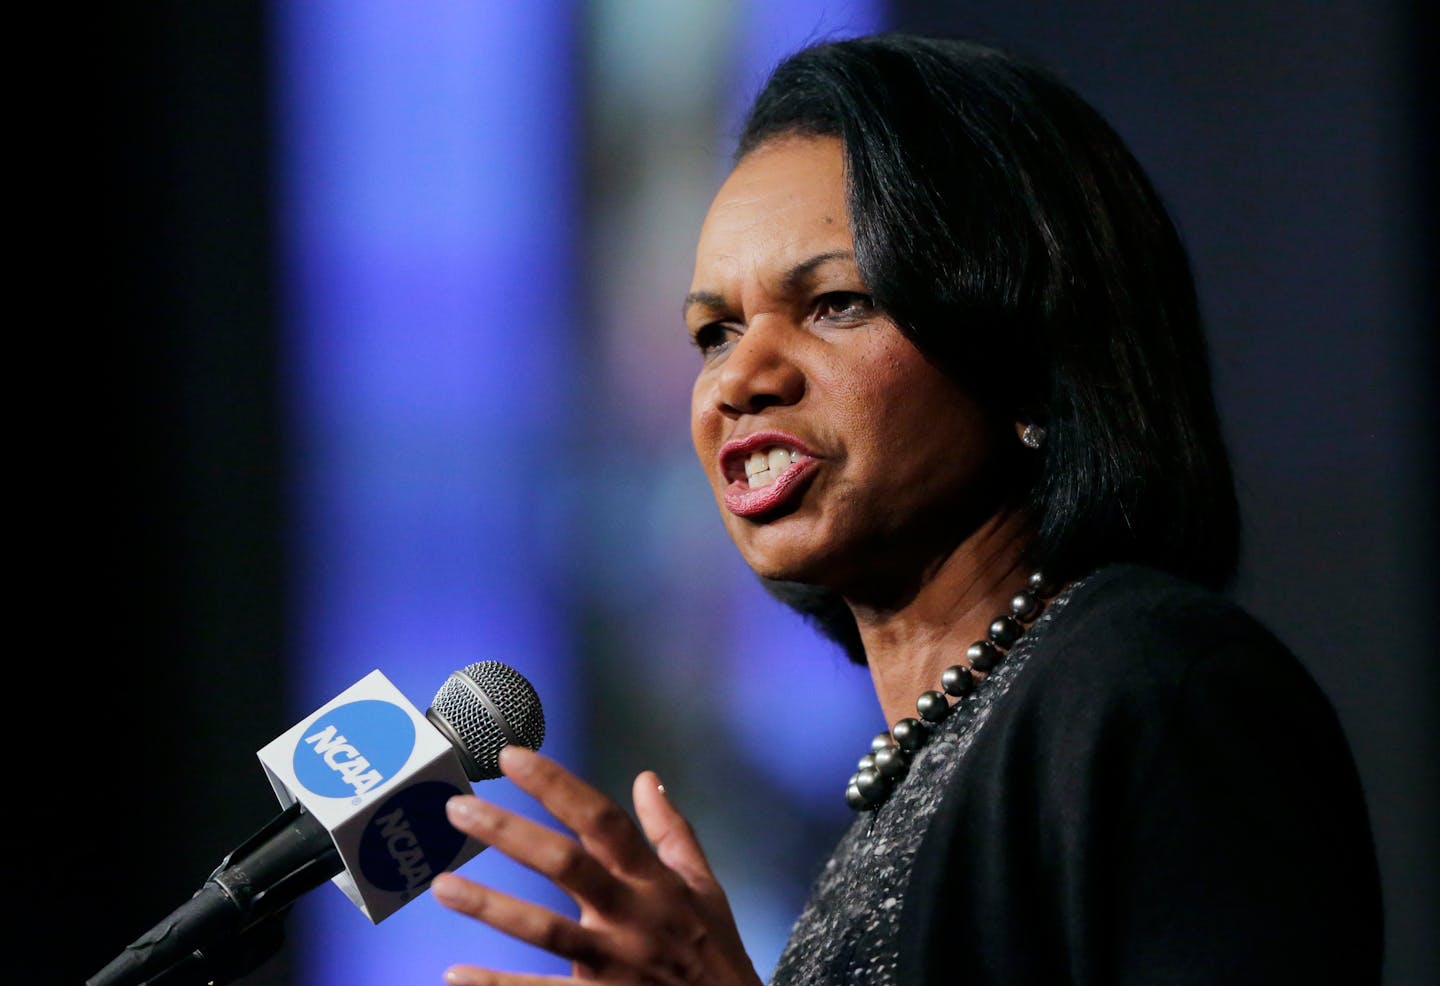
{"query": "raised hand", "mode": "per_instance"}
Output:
(651, 910)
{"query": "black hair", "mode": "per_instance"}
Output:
(1013, 237)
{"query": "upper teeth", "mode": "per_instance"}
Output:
(764, 465)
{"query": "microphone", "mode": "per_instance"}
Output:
(363, 783)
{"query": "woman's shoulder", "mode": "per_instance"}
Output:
(1135, 623)
(1130, 604)
(1130, 644)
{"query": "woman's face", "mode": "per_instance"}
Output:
(837, 452)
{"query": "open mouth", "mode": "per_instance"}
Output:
(765, 472)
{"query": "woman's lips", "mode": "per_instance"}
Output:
(781, 464)
(743, 501)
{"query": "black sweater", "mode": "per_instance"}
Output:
(1161, 795)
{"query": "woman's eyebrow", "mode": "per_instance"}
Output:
(795, 278)
(709, 299)
(791, 281)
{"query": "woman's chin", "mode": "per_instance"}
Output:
(798, 564)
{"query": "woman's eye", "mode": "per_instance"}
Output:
(709, 338)
(844, 304)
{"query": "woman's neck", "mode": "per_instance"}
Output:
(908, 647)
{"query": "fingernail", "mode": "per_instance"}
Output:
(514, 758)
(444, 890)
(462, 808)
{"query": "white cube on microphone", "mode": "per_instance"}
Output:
(376, 773)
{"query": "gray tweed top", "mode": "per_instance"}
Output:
(848, 931)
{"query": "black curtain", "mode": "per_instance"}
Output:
(164, 560)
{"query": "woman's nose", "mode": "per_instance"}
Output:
(761, 370)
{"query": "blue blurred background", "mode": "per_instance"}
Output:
(391, 374)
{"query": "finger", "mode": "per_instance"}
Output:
(677, 847)
(602, 826)
(520, 919)
(549, 853)
(670, 833)
(469, 975)
(543, 928)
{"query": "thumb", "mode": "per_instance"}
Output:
(671, 835)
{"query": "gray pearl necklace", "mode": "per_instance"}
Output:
(880, 770)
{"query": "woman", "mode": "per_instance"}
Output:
(954, 405)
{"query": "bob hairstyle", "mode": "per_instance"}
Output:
(1015, 240)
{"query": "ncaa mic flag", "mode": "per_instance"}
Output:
(376, 774)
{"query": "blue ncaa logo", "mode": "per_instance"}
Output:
(353, 748)
(408, 839)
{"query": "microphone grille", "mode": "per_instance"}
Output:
(488, 705)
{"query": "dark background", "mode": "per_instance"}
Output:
(1294, 142)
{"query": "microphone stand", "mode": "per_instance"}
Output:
(230, 960)
(233, 922)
